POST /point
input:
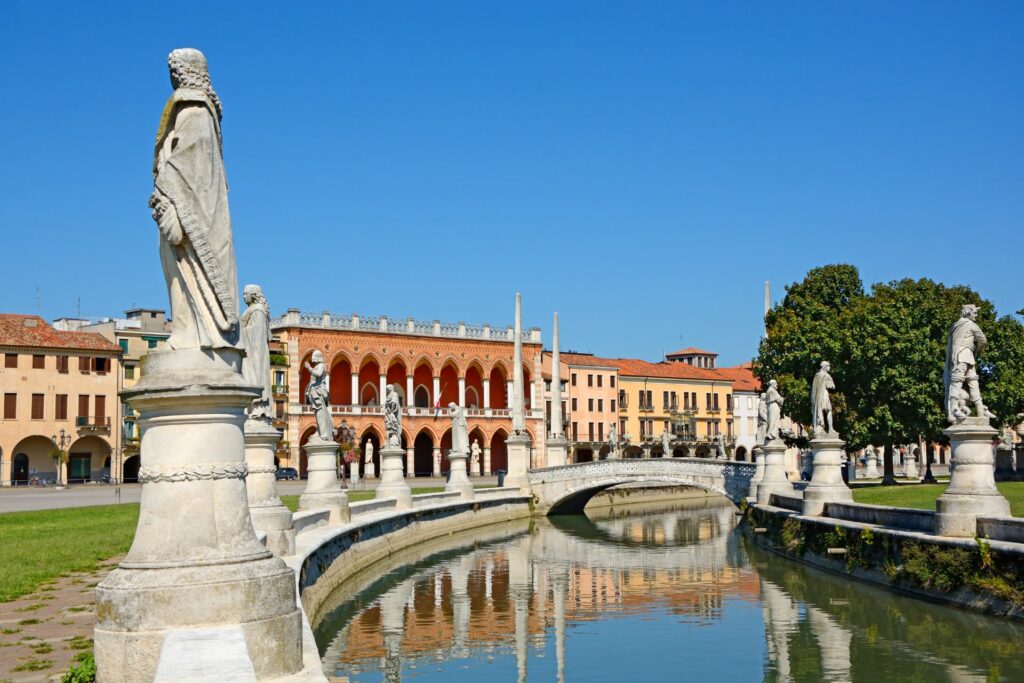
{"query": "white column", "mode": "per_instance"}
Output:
(508, 394)
(518, 414)
(487, 393)
(437, 390)
(409, 391)
(355, 388)
(462, 392)
(410, 461)
(437, 461)
(383, 389)
(487, 460)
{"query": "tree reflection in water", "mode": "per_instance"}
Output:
(667, 592)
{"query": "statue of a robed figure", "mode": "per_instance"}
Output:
(190, 206)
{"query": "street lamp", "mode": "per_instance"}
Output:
(60, 444)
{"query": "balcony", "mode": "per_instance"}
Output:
(280, 390)
(416, 411)
(646, 407)
(84, 423)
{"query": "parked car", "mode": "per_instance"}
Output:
(287, 473)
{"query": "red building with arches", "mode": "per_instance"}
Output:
(431, 363)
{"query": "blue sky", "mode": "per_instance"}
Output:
(640, 167)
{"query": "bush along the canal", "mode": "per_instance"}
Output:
(903, 562)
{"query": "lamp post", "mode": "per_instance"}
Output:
(59, 444)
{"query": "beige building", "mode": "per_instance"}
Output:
(593, 385)
(60, 392)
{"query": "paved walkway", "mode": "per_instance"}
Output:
(22, 498)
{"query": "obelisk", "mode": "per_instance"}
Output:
(557, 444)
(518, 442)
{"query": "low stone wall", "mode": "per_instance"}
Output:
(983, 575)
(645, 493)
(1010, 529)
(882, 515)
(787, 502)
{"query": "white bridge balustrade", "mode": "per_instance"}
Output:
(567, 489)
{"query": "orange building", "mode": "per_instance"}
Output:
(431, 363)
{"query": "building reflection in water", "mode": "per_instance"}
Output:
(498, 598)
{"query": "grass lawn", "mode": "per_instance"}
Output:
(292, 502)
(43, 544)
(922, 496)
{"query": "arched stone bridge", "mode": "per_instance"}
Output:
(565, 490)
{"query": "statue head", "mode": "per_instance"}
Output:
(318, 356)
(253, 294)
(189, 70)
(453, 408)
(969, 311)
(773, 384)
(826, 366)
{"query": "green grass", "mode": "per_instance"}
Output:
(922, 496)
(292, 502)
(44, 544)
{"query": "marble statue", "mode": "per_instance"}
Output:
(613, 441)
(762, 419)
(190, 206)
(460, 429)
(722, 455)
(474, 451)
(821, 404)
(666, 441)
(775, 401)
(256, 340)
(318, 396)
(966, 340)
(368, 455)
(393, 417)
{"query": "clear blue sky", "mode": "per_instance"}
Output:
(640, 167)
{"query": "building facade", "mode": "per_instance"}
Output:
(432, 364)
(60, 394)
(745, 390)
(593, 389)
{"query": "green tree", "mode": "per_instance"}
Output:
(807, 327)
(1002, 369)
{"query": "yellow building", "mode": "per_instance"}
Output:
(60, 392)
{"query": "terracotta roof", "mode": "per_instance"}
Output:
(585, 359)
(33, 331)
(691, 351)
(632, 367)
(742, 377)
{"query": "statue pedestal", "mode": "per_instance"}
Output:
(871, 467)
(517, 446)
(457, 479)
(354, 471)
(195, 559)
(268, 513)
(826, 484)
(910, 471)
(557, 451)
(758, 455)
(972, 491)
(323, 489)
(1004, 463)
(392, 481)
(774, 479)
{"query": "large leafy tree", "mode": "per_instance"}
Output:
(1002, 369)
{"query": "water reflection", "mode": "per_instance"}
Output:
(649, 593)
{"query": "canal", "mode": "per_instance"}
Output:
(642, 593)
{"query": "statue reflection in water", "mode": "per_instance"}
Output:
(494, 600)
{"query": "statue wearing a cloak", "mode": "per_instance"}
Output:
(821, 403)
(460, 429)
(256, 340)
(318, 395)
(393, 417)
(774, 400)
(190, 206)
(965, 341)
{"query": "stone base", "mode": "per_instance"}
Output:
(517, 447)
(557, 451)
(972, 491)
(276, 522)
(268, 513)
(774, 479)
(323, 490)
(392, 482)
(335, 501)
(871, 468)
(257, 596)
(457, 479)
(758, 455)
(910, 471)
(826, 485)
(1004, 464)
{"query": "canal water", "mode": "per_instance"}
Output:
(642, 593)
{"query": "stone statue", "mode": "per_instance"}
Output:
(190, 207)
(722, 455)
(393, 417)
(368, 455)
(460, 429)
(965, 341)
(613, 441)
(256, 340)
(821, 404)
(474, 452)
(762, 419)
(775, 401)
(666, 440)
(318, 395)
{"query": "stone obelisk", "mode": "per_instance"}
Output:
(557, 444)
(518, 442)
(195, 561)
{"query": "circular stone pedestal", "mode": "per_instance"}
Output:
(774, 479)
(972, 491)
(195, 559)
(392, 481)
(826, 485)
(871, 467)
(457, 479)
(269, 515)
(517, 449)
(758, 455)
(323, 489)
